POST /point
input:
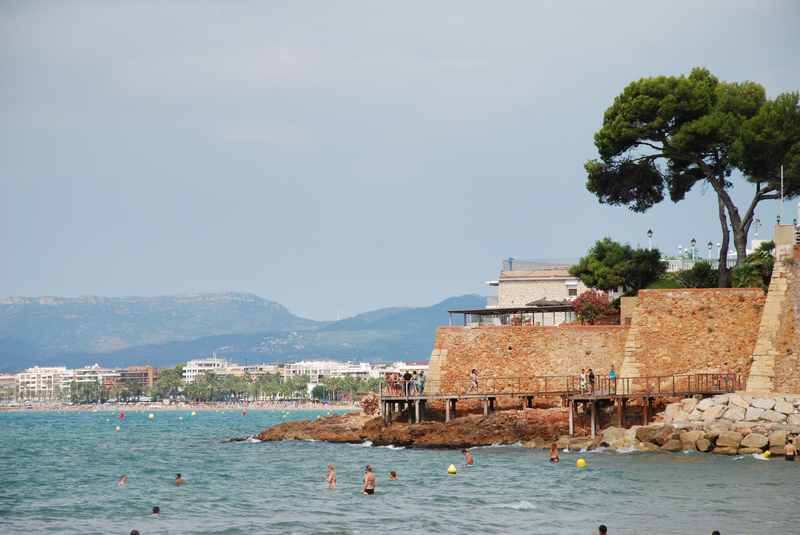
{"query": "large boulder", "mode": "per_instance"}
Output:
(665, 434)
(721, 399)
(689, 439)
(739, 401)
(734, 413)
(714, 412)
(794, 419)
(647, 433)
(754, 440)
(777, 439)
(671, 411)
(672, 445)
(774, 416)
(763, 403)
(729, 439)
(748, 451)
(776, 450)
(705, 404)
(703, 444)
(755, 413)
(696, 416)
(614, 437)
(784, 407)
(688, 405)
(725, 450)
(646, 446)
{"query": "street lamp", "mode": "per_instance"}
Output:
(693, 242)
(710, 245)
(650, 238)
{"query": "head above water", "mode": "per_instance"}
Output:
(156, 510)
(369, 468)
(177, 476)
(602, 529)
(393, 473)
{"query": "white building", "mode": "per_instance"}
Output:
(213, 364)
(92, 374)
(42, 383)
(320, 369)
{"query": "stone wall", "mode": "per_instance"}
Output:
(694, 330)
(525, 350)
(787, 359)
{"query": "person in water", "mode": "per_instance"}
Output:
(554, 453)
(789, 451)
(331, 477)
(156, 511)
(392, 476)
(123, 480)
(369, 480)
(468, 457)
(179, 480)
(602, 530)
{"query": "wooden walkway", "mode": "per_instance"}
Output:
(398, 398)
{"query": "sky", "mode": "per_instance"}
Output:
(338, 157)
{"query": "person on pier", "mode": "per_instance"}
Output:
(473, 376)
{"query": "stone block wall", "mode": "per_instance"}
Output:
(524, 351)
(696, 330)
(787, 359)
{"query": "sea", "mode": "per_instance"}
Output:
(59, 472)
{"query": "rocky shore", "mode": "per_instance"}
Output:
(503, 427)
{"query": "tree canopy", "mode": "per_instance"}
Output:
(663, 135)
(610, 265)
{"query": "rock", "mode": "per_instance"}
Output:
(729, 439)
(705, 404)
(563, 442)
(647, 433)
(681, 417)
(712, 434)
(794, 419)
(578, 444)
(703, 444)
(748, 451)
(744, 428)
(714, 413)
(689, 439)
(671, 411)
(763, 403)
(754, 440)
(614, 437)
(646, 446)
(725, 451)
(722, 425)
(734, 413)
(537, 443)
(776, 450)
(672, 445)
(774, 416)
(755, 413)
(665, 434)
(777, 439)
(721, 399)
(784, 407)
(688, 405)
(695, 416)
(739, 401)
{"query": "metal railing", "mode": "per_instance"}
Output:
(570, 385)
(682, 264)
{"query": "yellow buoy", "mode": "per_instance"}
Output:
(580, 463)
(117, 429)
(451, 469)
(151, 416)
(767, 454)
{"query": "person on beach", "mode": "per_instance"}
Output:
(123, 480)
(369, 480)
(331, 477)
(392, 476)
(554, 453)
(468, 457)
(789, 451)
(582, 380)
(179, 480)
(156, 511)
(473, 376)
(591, 381)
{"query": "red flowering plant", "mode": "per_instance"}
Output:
(591, 305)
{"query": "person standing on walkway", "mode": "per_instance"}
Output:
(414, 388)
(612, 380)
(591, 381)
(473, 380)
(406, 383)
(582, 380)
(421, 382)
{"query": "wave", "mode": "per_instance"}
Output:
(390, 447)
(629, 449)
(517, 506)
(498, 445)
(365, 444)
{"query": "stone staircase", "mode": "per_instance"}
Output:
(762, 370)
(434, 376)
(630, 364)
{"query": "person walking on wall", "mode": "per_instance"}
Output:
(591, 381)
(407, 383)
(612, 380)
(582, 380)
(473, 380)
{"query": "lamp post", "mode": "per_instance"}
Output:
(650, 238)
(710, 245)
(693, 242)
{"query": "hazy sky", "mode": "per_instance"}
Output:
(336, 156)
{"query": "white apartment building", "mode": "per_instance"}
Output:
(41, 384)
(93, 374)
(257, 370)
(213, 364)
(319, 369)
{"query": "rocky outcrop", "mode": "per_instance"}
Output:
(538, 427)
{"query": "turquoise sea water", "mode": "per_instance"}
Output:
(58, 474)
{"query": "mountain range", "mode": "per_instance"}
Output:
(164, 330)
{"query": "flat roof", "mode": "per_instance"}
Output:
(513, 310)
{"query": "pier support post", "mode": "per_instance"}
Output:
(571, 417)
(416, 409)
(619, 412)
(491, 403)
(529, 402)
(447, 410)
(594, 418)
(486, 407)
(453, 409)
(645, 410)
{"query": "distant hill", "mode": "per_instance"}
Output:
(165, 330)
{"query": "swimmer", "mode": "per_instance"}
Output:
(134, 532)
(602, 530)
(392, 476)
(468, 457)
(179, 480)
(331, 477)
(554, 453)
(156, 511)
(789, 451)
(123, 480)
(369, 481)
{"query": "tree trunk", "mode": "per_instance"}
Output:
(724, 272)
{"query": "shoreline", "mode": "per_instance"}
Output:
(287, 406)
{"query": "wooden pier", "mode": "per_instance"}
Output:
(398, 398)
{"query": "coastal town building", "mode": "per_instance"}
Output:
(213, 364)
(317, 370)
(93, 374)
(42, 383)
(141, 376)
